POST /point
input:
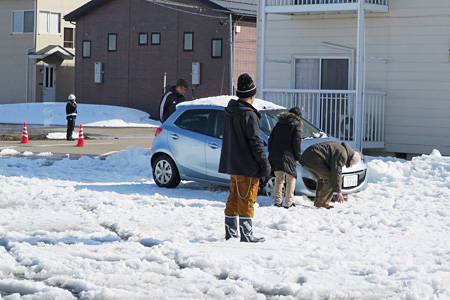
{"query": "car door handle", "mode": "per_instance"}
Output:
(213, 145)
(174, 136)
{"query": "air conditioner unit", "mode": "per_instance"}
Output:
(347, 129)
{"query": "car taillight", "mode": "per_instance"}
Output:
(158, 131)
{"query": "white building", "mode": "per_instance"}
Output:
(375, 73)
(37, 50)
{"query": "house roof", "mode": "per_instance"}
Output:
(84, 9)
(243, 8)
(51, 50)
(93, 4)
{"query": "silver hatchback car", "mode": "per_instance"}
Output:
(187, 147)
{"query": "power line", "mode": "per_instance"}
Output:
(165, 4)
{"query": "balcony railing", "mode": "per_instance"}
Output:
(315, 2)
(334, 112)
(276, 6)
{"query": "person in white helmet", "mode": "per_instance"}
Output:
(71, 115)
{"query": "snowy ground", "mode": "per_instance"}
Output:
(102, 229)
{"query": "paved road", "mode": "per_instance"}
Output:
(100, 141)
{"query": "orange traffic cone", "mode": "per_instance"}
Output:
(81, 138)
(25, 134)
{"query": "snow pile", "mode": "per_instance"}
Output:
(54, 113)
(259, 104)
(60, 135)
(102, 229)
(93, 115)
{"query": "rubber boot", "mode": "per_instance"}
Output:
(231, 227)
(246, 230)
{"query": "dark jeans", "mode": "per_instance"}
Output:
(70, 127)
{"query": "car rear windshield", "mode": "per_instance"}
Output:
(269, 119)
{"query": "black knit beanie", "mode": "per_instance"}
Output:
(245, 86)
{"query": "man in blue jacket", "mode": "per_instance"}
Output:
(244, 157)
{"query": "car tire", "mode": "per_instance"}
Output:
(165, 172)
(268, 187)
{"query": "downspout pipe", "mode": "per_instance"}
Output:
(360, 76)
(232, 35)
(263, 50)
(27, 64)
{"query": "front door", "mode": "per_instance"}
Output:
(187, 142)
(48, 92)
(214, 146)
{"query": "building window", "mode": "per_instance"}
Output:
(322, 73)
(23, 22)
(188, 43)
(68, 37)
(332, 75)
(112, 42)
(86, 49)
(143, 38)
(156, 38)
(49, 22)
(216, 48)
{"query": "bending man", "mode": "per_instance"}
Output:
(325, 161)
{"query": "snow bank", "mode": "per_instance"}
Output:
(54, 113)
(102, 229)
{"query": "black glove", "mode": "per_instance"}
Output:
(265, 170)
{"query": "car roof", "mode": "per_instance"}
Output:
(222, 101)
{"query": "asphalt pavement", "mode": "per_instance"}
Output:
(99, 141)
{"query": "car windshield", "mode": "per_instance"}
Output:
(269, 119)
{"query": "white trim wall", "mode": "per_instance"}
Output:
(407, 55)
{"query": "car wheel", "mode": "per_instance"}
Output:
(165, 172)
(268, 188)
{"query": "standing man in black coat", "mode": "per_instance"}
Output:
(284, 154)
(325, 160)
(71, 115)
(244, 157)
(171, 98)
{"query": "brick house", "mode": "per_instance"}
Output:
(126, 46)
(245, 35)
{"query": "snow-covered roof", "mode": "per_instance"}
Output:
(223, 100)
